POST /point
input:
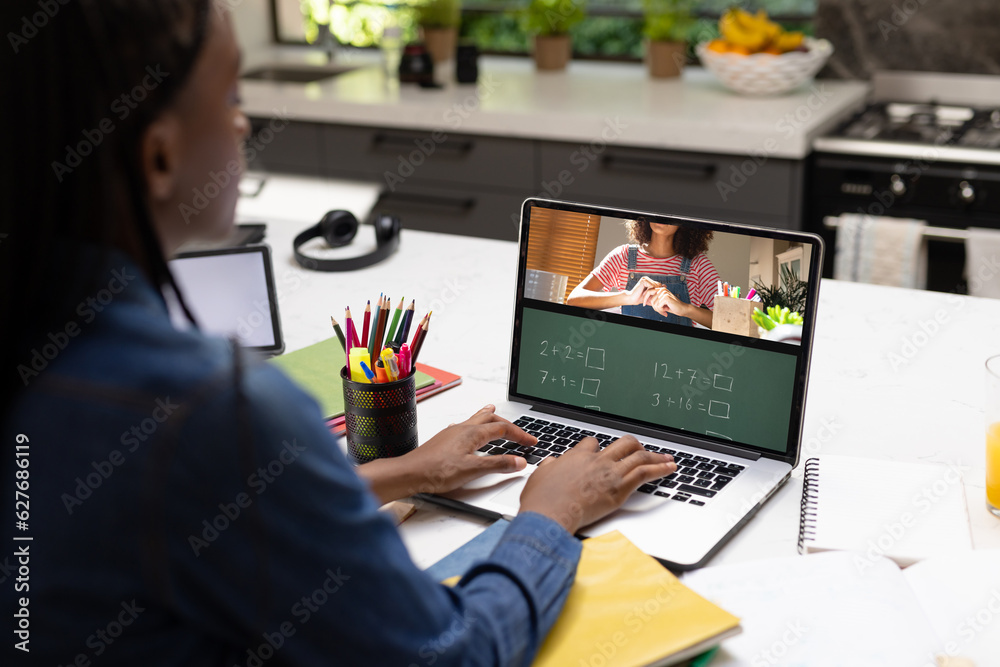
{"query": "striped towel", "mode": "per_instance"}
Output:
(982, 262)
(881, 251)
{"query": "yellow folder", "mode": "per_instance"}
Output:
(625, 609)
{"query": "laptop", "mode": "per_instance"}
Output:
(727, 403)
(231, 293)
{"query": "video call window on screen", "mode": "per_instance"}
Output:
(573, 256)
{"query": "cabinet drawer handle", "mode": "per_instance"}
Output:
(453, 204)
(397, 142)
(666, 167)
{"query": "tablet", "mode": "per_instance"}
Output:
(231, 293)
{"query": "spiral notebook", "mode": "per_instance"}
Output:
(903, 511)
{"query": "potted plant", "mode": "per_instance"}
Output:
(666, 27)
(439, 21)
(549, 22)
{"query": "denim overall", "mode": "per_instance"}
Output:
(676, 284)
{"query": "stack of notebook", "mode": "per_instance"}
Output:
(317, 370)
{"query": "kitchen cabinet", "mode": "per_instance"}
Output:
(725, 187)
(286, 147)
(474, 185)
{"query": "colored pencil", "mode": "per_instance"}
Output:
(368, 319)
(353, 329)
(348, 333)
(418, 340)
(391, 335)
(371, 334)
(404, 328)
(383, 317)
(417, 330)
(340, 333)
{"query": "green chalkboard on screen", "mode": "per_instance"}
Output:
(703, 386)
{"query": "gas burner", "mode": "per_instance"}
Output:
(928, 114)
(983, 131)
(933, 124)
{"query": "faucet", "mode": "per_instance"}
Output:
(328, 42)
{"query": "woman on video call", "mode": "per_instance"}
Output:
(663, 274)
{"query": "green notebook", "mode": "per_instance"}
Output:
(317, 370)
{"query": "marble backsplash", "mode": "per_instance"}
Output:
(961, 36)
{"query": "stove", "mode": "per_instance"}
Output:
(926, 147)
(959, 134)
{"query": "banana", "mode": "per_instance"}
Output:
(756, 32)
(788, 41)
(740, 28)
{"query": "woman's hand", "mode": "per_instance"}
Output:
(587, 483)
(640, 291)
(665, 302)
(448, 460)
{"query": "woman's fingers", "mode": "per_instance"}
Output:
(484, 415)
(622, 447)
(501, 428)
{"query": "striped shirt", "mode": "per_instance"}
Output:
(702, 280)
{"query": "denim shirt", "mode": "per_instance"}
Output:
(178, 520)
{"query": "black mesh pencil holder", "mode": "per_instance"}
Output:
(381, 419)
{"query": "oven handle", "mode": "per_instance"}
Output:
(930, 233)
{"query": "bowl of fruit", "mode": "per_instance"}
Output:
(756, 56)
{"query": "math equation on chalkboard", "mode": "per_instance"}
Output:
(728, 391)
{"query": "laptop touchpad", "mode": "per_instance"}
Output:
(510, 496)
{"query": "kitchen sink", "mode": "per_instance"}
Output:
(297, 73)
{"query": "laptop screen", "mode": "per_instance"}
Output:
(231, 293)
(619, 315)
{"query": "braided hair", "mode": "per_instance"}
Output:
(71, 174)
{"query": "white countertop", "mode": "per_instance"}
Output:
(880, 386)
(694, 113)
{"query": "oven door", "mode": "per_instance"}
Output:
(951, 197)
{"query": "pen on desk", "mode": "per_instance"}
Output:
(340, 334)
(367, 322)
(404, 328)
(391, 335)
(353, 329)
(418, 339)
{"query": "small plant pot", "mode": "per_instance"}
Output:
(552, 52)
(665, 59)
(440, 43)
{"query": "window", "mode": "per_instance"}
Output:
(612, 30)
(794, 263)
(561, 253)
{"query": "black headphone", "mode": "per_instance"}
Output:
(339, 228)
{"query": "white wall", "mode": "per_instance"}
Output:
(612, 235)
(252, 20)
(764, 251)
(730, 253)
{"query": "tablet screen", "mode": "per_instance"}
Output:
(231, 293)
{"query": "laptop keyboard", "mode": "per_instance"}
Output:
(698, 478)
